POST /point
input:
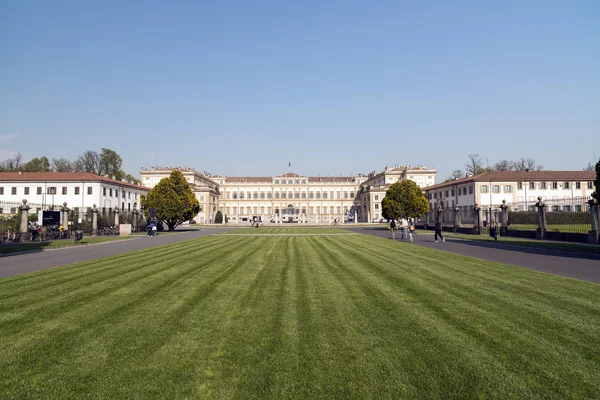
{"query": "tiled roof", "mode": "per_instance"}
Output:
(290, 175)
(521, 176)
(62, 177)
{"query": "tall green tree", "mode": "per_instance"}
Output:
(41, 164)
(404, 199)
(110, 164)
(173, 200)
(132, 179)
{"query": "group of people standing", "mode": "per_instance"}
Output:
(405, 226)
(408, 227)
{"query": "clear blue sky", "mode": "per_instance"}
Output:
(337, 87)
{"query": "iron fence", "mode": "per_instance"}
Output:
(562, 215)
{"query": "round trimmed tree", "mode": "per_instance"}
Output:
(173, 200)
(404, 199)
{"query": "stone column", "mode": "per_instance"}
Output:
(140, 219)
(426, 221)
(477, 219)
(440, 214)
(65, 216)
(456, 218)
(94, 220)
(134, 220)
(594, 234)
(24, 225)
(503, 218)
(542, 226)
(224, 219)
(117, 216)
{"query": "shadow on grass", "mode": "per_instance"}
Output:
(12, 249)
(559, 249)
(527, 248)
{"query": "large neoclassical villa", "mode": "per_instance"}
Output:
(292, 197)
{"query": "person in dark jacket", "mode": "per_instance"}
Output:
(393, 228)
(438, 231)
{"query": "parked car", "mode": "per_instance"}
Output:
(192, 221)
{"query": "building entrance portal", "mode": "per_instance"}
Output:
(290, 214)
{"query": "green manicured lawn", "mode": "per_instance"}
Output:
(550, 245)
(297, 317)
(289, 231)
(7, 248)
(575, 228)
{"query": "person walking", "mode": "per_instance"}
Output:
(404, 227)
(411, 229)
(393, 228)
(438, 231)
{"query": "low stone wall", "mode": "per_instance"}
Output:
(521, 234)
(558, 236)
(567, 237)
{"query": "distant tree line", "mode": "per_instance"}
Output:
(475, 166)
(106, 163)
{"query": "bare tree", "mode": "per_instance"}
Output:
(520, 165)
(475, 165)
(12, 164)
(457, 174)
(62, 165)
(590, 167)
(532, 166)
(88, 162)
(504, 165)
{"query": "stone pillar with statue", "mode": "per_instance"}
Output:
(594, 233)
(542, 226)
(24, 223)
(503, 218)
(94, 220)
(65, 216)
(456, 218)
(477, 219)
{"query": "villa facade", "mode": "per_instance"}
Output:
(292, 197)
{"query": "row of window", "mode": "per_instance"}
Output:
(534, 185)
(290, 181)
(554, 185)
(450, 193)
(103, 210)
(65, 191)
(49, 190)
(508, 188)
(256, 210)
(495, 189)
(289, 195)
(123, 194)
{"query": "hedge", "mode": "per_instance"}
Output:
(552, 217)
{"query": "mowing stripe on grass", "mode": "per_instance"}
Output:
(297, 317)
